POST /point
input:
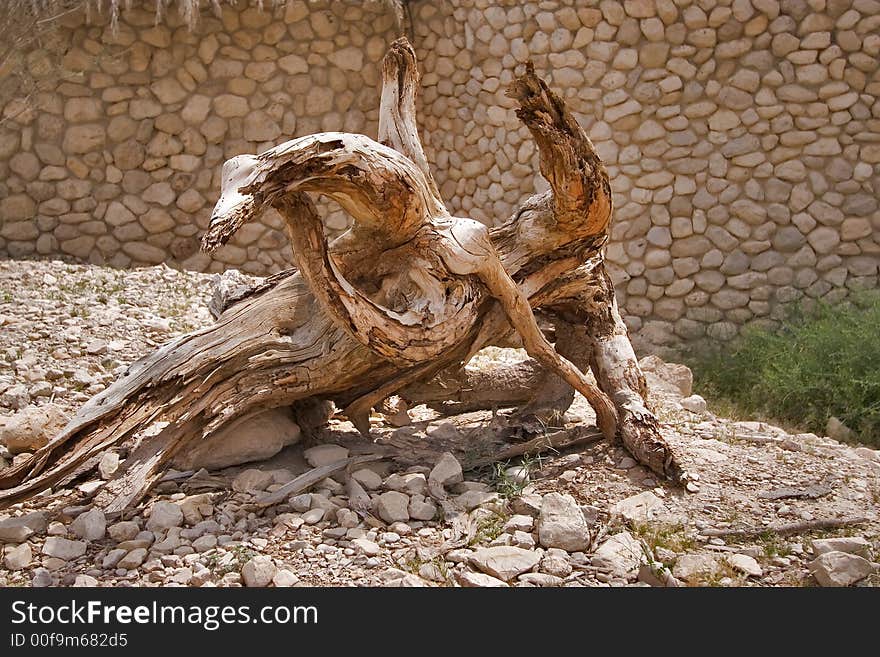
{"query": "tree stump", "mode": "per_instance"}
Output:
(408, 293)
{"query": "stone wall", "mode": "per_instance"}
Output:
(743, 141)
(742, 136)
(118, 160)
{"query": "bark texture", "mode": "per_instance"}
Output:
(407, 293)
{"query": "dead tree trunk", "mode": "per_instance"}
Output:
(408, 292)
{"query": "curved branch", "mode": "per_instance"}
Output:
(398, 127)
(569, 162)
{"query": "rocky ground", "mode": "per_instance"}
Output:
(587, 518)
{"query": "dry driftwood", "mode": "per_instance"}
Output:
(789, 528)
(408, 292)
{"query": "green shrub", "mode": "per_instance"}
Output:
(821, 363)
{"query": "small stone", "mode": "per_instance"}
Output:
(108, 465)
(124, 531)
(837, 568)
(251, 480)
(504, 562)
(20, 528)
(324, 455)
(63, 548)
(367, 478)
(620, 555)
(446, 472)
(41, 578)
(640, 508)
(133, 559)
(56, 529)
(689, 566)
(91, 525)
(519, 523)
(694, 404)
(562, 525)
(555, 562)
(18, 557)
(164, 515)
(544, 580)
(367, 546)
(422, 509)
(393, 506)
(85, 581)
(745, 564)
(314, 516)
(258, 571)
(204, 543)
(518, 474)
(850, 544)
(473, 498)
(285, 578)
(301, 503)
(470, 579)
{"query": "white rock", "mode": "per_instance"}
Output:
(473, 498)
(445, 473)
(301, 503)
(638, 508)
(620, 555)
(164, 515)
(85, 581)
(541, 579)
(408, 580)
(520, 523)
(469, 579)
(18, 557)
(108, 465)
(19, 528)
(518, 474)
(840, 568)
(504, 562)
(849, 544)
(284, 578)
(258, 571)
(745, 564)
(62, 548)
(689, 566)
(367, 546)
(324, 455)
(562, 525)
(314, 516)
(91, 525)
(555, 562)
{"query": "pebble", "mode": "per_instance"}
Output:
(561, 524)
(258, 571)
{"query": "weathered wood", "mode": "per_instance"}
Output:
(783, 529)
(408, 292)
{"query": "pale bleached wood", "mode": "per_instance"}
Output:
(406, 293)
